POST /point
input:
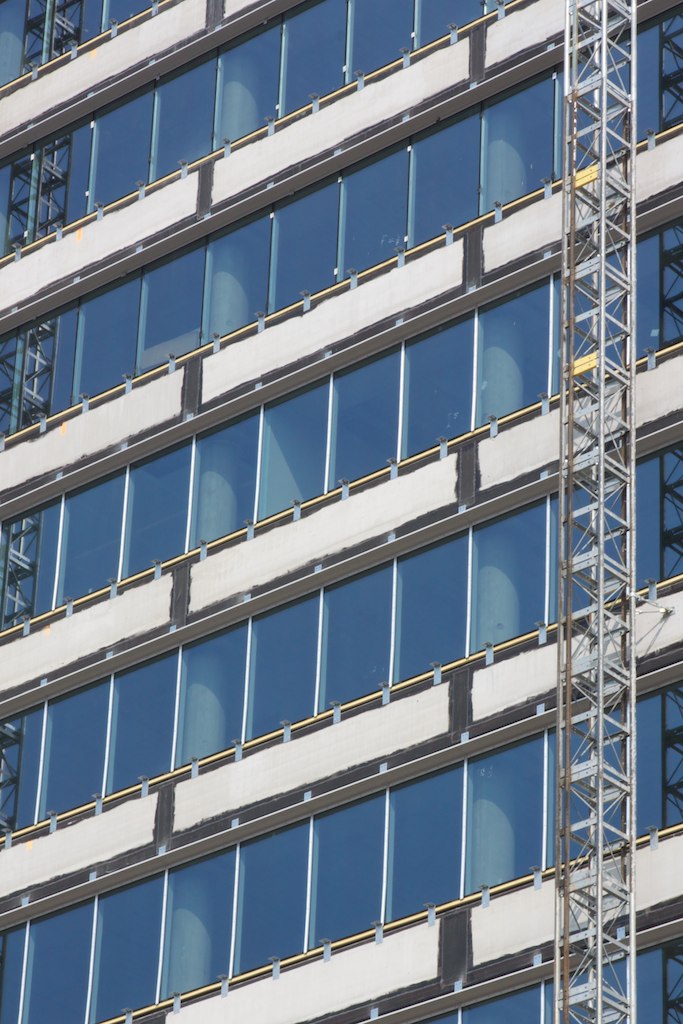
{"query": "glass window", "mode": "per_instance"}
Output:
(431, 607)
(91, 538)
(649, 74)
(12, 960)
(504, 814)
(374, 201)
(356, 637)
(648, 513)
(438, 387)
(650, 975)
(211, 694)
(107, 338)
(57, 965)
(224, 479)
(183, 117)
(304, 245)
(156, 518)
(435, 16)
(247, 85)
(126, 949)
(121, 149)
(64, 362)
(142, 722)
(171, 308)
(271, 902)
(12, 18)
(669, 70)
(670, 288)
(293, 456)
(380, 30)
(18, 802)
(237, 277)
(517, 144)
(347, 870)
(364, 418)
(444, 178)
(508, 577)
(28, 561)
(80, 148)
(283, 666)
(512, 363)
(198, 923)
(314, 50)
(520, 1006)
(650, 733)
(425, 836)
(74, 748)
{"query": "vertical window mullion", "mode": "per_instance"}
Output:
(107, 742)
(385, 857)
(348, 54)
(548, 552)
(546, 800)
(309, 885)
(235, 922)
(340, 270)
(162, 938)
(327, 485)
(401, 401)
(24, 967)
(393, 632)
(124, 520)
(475, 367)
(282, 77)
(190, 494)
(409, 239)
(463, 840)
(468, 618)
(551, 336)
(319, 651)
(41, 764)
(259, 462)
(58, 559)
(91, 965)
(247, 676)
(176, 713)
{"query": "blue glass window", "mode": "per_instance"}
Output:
(237, 277)
(650, 977)
(184, 117)
(80, 149)
(18, 804)
(380, 30)
(425, 838)
(126, 949)
(12, 959)
(375, 206)
(107, 337)
(211, 694)
(142, 722)
(364, 418)
(520, 1006)
(283, 666)
(12, 17)
(649, 734)
(648, 509)
(347, 870)
(444, 178)
(171, 308)
(304, 245)
(91, 538)
(33, 541)
(247, 85)
(121, 149)
(74, 748)
(64, 361)
(314, 50)
(670, 287)
(198, 923)
(156, 518)
(438, 387)
(224, 479)
(356, 637)
(435, 16)
(649, 101)
(57, 965)
(271, 902)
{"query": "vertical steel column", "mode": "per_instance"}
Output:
(595, 821)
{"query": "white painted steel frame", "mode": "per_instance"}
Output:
(595, 805)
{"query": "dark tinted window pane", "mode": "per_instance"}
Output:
(305, 245)
(247, 85)
(356, 637)
(431, 607)
(107, 338)
(142, 722)
(425, 837)
(517, 144)
(33, 542)
(22, 756)
(669, 70)
(12, 958)
(347, 870)
(171, 310)
(375, 205)
(121, 149)
(91, 538)
(293, 456)
(364, 418)
(512, 365)
(127, 949)
(438, 387)
(435, 16)
(5, 178)
(157, 509)
(198, 923)
(237, 277)
(120, 10)
(57, 966)
(79, 171)
(445, 173)
(272, 897)
(12, 17)
(74, 748)
(520, 1006)
(283, 663)
(63, 370)
(649, 735)
(673, 767)
(649, 108)
(211, 694)
(315, 41)
(671, 287)
(184, 113)
(224, 480)
(648, 502)
(648, 294)
(649, 986)
(508, 577)
(381, 28)
(671, 519)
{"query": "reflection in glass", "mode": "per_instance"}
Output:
(156, 517)
(236, 287)
(293, 456)
(57, 966)
(142, 722)
(120, 156)
(22, 757)
(211, 694)
(649, 733)
(12, 20)
(107, 337)
(224, 479)
(374, 199)
(198, 923)
(648, 516)
(74, 748)
(519, 1006)
(271, 901)
(28, 556)
(91, 538)
(183, 117)
(347, 870)
(247, 85)
(380, 30)
(304, 245)
(314, 45)
(444, 183)
(12, 959)
(356, 637)
(171, 308)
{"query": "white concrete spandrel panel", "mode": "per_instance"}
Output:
(338, 317)
(658, 391)
(33, 100)
(659, 168)
(508, 683)
(102, 427)
(79, 846)
(349, 978)
(517, 921)
(655, 630)
(342, 119)
(527, 230)
(284, 768)
(520, 449)
(363, 516)
(120, 229)
(93, 629)
(658, 873)
(520, 30)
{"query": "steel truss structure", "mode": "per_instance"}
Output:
(595, 823)
(52, 27)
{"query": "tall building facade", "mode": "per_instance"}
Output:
(279, 336)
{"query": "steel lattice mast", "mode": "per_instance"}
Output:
(595, 820)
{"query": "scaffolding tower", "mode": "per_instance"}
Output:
(595, 821)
